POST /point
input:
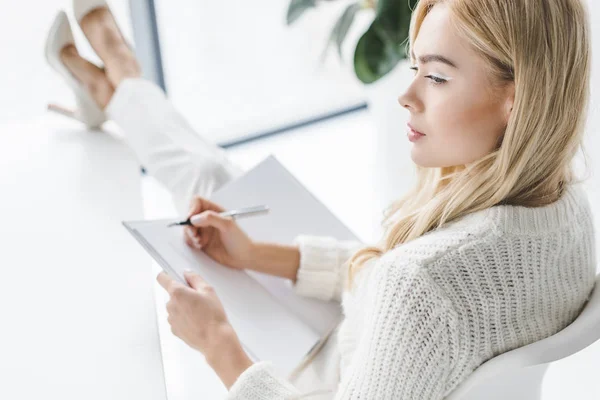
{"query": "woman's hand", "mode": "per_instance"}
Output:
(196, 314)
(220, 238)
(197, 317)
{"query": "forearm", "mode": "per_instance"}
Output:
(275, 259)
(228, 358)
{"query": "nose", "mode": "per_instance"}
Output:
(409, 99)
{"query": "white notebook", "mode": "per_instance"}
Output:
(272, 322)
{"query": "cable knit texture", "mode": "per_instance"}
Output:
(426, 314)
(323, 273)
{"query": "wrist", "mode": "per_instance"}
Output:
(254, 262)
(276, 259)
(227, 356)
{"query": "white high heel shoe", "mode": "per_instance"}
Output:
(87, 111)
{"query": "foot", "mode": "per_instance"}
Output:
(91, 76)
(101, 30)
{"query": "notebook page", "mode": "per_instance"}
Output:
(293, 210)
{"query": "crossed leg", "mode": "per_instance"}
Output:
(164, 142)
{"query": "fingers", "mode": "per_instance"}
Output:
(211, 218)
(191, 233)
(200, 204)
(196, 207)
(194, 280)
(192, 237)
(164, 280)
(174, 288)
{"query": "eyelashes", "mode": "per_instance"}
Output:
(435, 80)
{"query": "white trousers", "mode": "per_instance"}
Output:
(187, 165)
(166, 145)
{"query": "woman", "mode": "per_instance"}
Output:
(492, 250)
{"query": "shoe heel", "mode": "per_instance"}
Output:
(61, 110)
(93, 119)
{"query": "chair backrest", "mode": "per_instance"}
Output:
(581, 333)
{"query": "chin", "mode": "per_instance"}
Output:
(420, 160)
(424, 160)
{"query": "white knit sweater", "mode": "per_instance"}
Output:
(429, 312)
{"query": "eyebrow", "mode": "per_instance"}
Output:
(424, 59)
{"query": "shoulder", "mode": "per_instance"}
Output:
(560, 216)
(396, 278)
(429, 248)
(416, 266)
(488, 231)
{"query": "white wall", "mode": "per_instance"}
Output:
(592, 140)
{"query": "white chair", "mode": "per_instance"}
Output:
(518, 374)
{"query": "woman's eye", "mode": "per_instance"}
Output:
(436, 80)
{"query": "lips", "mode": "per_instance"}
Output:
(414, 130)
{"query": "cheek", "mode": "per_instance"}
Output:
(466, 129)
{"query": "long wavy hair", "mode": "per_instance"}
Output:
(543, 47)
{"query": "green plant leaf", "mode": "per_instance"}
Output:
(382, 46)
(297, 8)
(391, 6)
(374, 56)
(343, 24)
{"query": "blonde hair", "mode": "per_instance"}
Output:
(541, 46)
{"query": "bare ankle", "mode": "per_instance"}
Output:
(67, 51)
(127, 68)
(91, 77)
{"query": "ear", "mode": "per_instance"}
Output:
(510, 101)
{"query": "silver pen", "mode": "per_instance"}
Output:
(237, 213)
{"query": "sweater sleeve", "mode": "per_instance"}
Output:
(406, 352)
(323, 266)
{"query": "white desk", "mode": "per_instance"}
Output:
(76, 294)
